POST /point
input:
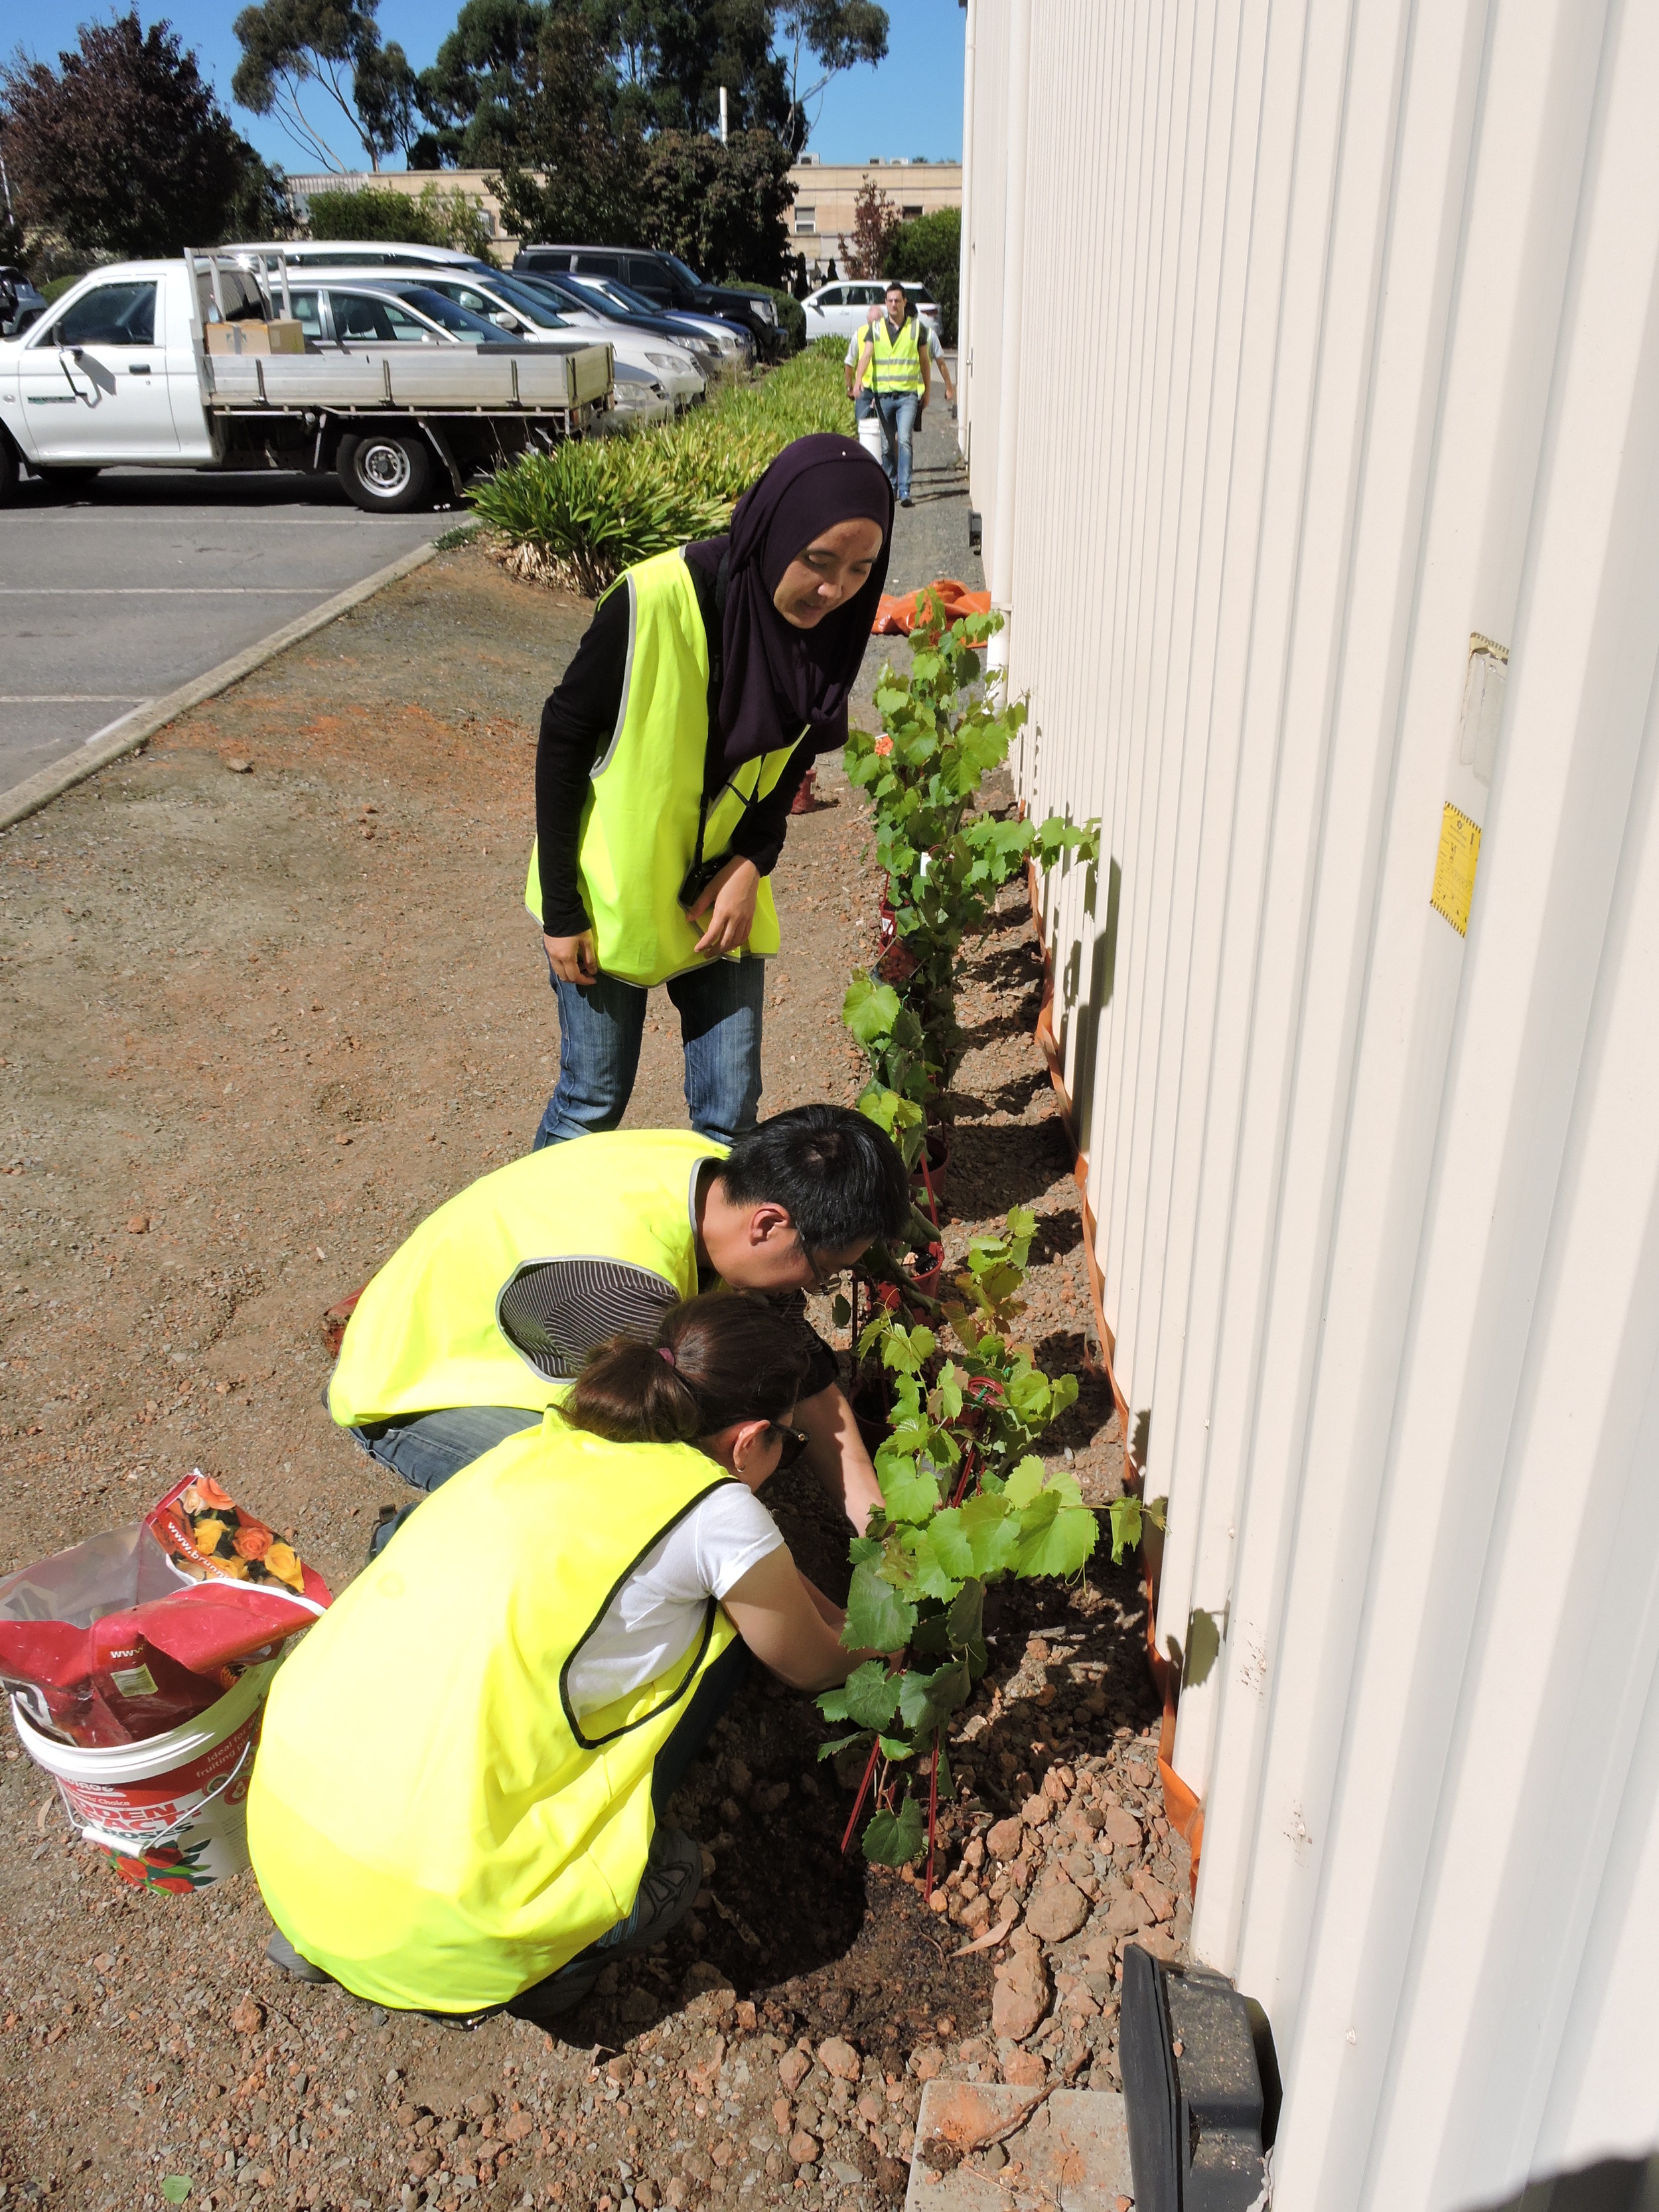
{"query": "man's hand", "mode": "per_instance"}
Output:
(729, 901)
(574, 959)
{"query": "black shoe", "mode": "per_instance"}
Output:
(907, 501)
(281, 1953)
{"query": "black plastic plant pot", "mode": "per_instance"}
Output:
(1192, 2088)
(869, 1403)
(929, 1279)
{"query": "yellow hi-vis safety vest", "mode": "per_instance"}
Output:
(894, 363)
(428, 1332)
(639, 829)
(430, 1819)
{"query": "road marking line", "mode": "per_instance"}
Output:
(68, 698)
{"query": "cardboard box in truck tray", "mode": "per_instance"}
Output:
(281, 336)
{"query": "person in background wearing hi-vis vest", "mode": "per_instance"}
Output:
(866, 420)
(707, 682)
(895, 365)
(480, 1321)
(464, 1769)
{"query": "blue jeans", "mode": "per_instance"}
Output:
(427, 1448)
(898, 411)
(600, 1025)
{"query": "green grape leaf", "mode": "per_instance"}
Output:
(910, 1493)
(897, 1747)
(992, 1531)
(862, 1549)
(1125, 1514)
(175, 2187)
(1025, 1482)
(931, 1637)
(872, 1694)
(1060, 1546)
(878, 1618)
(870, 1009)
(839, 1743)
(966, 1619)
(948, 1546)
(832, 1703)
(946, 1781)
(839, 1311)
(895, 1838)
(925, 1700)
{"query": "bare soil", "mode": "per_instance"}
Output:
(257, 1021)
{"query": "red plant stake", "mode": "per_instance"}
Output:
(932, 1824)
(857, 1802)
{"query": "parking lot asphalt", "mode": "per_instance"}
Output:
(118, 592)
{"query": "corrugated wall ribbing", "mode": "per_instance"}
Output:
(1357, 368)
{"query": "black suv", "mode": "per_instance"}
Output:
(665, 279)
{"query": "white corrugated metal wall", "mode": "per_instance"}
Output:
(1339, 379)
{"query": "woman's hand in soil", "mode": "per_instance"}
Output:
(729, 901)
(574, 959)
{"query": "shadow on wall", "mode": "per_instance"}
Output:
(1612, 2184)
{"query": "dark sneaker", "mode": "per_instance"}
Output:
(668, 1890)
(907, 501)
(281, 1953)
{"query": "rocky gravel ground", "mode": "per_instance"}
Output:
(255, 1024)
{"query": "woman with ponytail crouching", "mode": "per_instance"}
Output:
(455, 1806)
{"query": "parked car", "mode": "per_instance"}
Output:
(665, 279)
(732, 342)
(20, 303)
(639, 400)
(590, 309)
(838, 310)
(519, 313)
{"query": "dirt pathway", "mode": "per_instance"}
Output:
(270, 994)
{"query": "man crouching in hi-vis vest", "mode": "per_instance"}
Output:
(459, 1805)
(480, 1320)
(707, 682)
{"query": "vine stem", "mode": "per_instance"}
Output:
(857, 1802)
(932, 1823)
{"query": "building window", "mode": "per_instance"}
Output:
(910, 214)
(805, 218)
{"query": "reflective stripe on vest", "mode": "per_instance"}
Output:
(895, 365)
(429, 1819)
(639, 833)
(427, 1332)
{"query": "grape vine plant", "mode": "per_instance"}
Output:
(967, 1503)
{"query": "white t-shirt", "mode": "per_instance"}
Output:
(658, 1614)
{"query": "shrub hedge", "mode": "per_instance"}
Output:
(580, 515)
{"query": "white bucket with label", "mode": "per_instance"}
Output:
(870, 434)
(172, 1811)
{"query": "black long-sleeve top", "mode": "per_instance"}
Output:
(578, 722)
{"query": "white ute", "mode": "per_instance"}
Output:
(198, 362)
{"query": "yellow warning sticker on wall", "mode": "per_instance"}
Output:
(1453, 867)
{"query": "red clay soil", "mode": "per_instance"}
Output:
(257, 1020)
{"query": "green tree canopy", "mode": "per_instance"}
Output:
(720, 208)
(929, 250)
(124, 150)
(318, 66)
(480, 92)
(831, 35)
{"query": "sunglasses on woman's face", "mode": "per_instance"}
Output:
(792, 1442)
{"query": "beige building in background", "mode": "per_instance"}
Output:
(826, 193)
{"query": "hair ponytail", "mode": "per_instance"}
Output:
(715, 1360)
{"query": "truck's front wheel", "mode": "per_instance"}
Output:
(386, 472)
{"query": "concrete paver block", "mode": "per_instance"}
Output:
(1065, 2152)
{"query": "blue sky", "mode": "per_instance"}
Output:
(911, 104)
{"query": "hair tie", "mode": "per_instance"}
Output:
(663, 1353)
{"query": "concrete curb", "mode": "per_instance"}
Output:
(138, 727)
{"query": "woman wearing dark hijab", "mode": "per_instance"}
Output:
(708, 681)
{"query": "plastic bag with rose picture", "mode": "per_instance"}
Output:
(130, 1633)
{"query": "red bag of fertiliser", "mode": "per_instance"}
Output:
(133, 1632)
